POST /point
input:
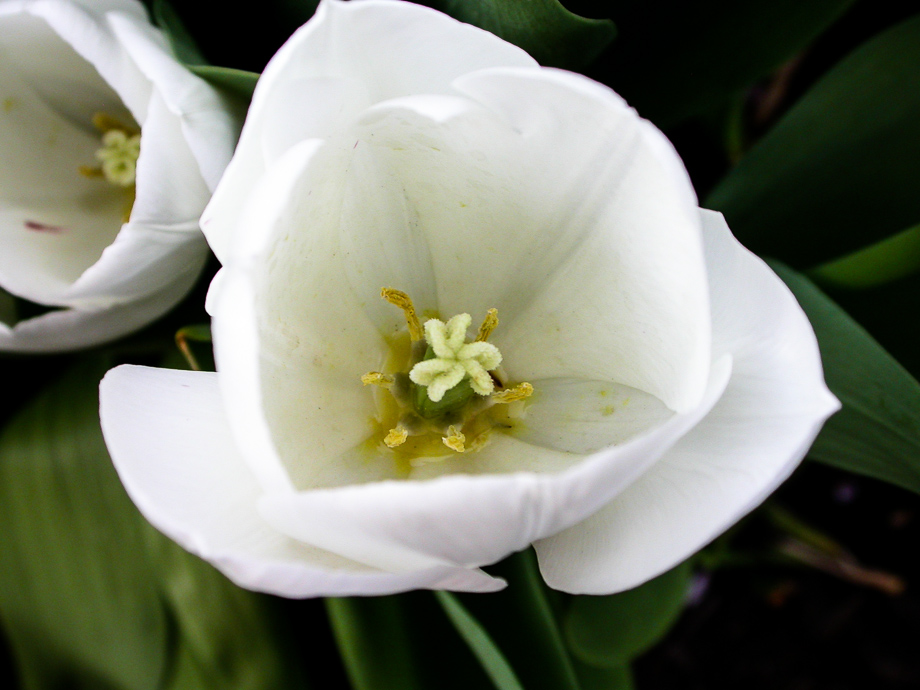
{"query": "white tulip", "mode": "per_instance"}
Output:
(675, 381)
(109, 151)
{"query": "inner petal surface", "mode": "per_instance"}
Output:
(54, 222)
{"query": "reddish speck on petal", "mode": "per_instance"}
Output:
(41, 227)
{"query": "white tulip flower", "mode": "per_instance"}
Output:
(109, 151)
(644, 382)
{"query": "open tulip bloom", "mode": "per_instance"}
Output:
(639, 381)
(108, 154)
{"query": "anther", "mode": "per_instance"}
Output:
(106, 123)
(510, 395)
(87, 171)
(455, 440)
(488, 325)
(400, 299)
(377, 378)
(396, 437)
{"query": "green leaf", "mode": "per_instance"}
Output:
(195, 333)
(521, 621)
(373, 637)
(877, 433)
(544, 28)
(7, 308)
(597, 678)
(477, 638)
(838, 172)
(180, 40)
(91, 596)
(403, 641)
(891, 259)
(675, 59)
(610, 631)
(235, 82)
(79, 607)
(227, 636)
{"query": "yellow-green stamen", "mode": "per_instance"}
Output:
(377, 379)
(488, 325)
(117, 157)
(438, 393)
(522, 391)
(401, 300)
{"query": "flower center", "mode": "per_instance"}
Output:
(121, 147)
(441, 393)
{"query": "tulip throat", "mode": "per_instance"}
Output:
(441, 393)
(117, 157)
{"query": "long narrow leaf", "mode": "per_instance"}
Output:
(374, 641)
(489, 655)
(521, 621)
(839, 171)
(674, 58)
(877, 433)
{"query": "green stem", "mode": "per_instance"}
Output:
(521, 622)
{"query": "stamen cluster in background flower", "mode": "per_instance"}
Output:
(96, 227)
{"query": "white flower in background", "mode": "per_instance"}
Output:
(644, 382)
(109, 150)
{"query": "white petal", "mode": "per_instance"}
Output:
(72, 329)
(98, 7)
(170, 188)
(89, 35)
(381, 238)
(307, 108)
(617, 289)
(171, 445)
(755, 436)
(376, 50)
(565, 420)
(142, 261)
(504, 454)
(209, 123)
(467, 520)
(236, 352)
(582, 417)
(661, 147)
(291, 343)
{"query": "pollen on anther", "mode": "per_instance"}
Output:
(509, 395)
(396, 437)
(400, 299)
(488, 325)
(455, 439)
(377, 378)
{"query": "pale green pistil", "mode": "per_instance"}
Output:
(455, 359)
(118, 156)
